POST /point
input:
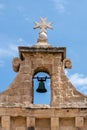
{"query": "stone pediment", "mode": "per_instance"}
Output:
(52, 60)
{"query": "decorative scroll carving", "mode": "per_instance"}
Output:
(67, 63)
(16, 64)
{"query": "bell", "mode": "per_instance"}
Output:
(41, 88)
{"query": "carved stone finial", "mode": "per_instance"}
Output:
(43, 25)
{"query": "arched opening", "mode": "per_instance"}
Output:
(42, 88)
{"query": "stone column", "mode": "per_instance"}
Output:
(5, 122)
(54, 123)
(31, 122)
(79, 122)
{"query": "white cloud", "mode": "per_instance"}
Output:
(1, 63)
(28, 19)
(10, 51)
(2, 6)
(9, 47)
(13, 48)
(60, 5)
(79, 81)
(21, 41)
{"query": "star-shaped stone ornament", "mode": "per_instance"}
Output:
(43, 25)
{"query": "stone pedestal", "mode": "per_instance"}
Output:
(5, 121)
(30, 122)
(54, 123)
(79, 122)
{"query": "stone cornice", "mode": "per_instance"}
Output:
(52, 50)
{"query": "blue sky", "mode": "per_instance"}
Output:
(69, 19)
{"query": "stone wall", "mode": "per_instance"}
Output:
(51, 61)
(43, 119)
(68, 108)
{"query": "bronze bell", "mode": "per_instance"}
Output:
(41, 88)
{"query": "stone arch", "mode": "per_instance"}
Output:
(46, 97)
(42, 69)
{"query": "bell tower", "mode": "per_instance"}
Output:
(67, 109)
(42, 57)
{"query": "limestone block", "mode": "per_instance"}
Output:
(67, 128)
(20, 128)
(54, 123)
(5, 122)
(42, 123)
(30, 122)
(54, 128)
(79, 122)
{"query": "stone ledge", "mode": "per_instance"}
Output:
(43, 106)
(42, 49)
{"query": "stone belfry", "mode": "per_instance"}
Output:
(68, 107)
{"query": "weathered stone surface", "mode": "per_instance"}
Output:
(51, 61)
(16, 64)
(54, 123)
(79, 122)
(5, 123)
(30, 122)
(51, 118)
(68, 107)
(18, 123)
(67, 63)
